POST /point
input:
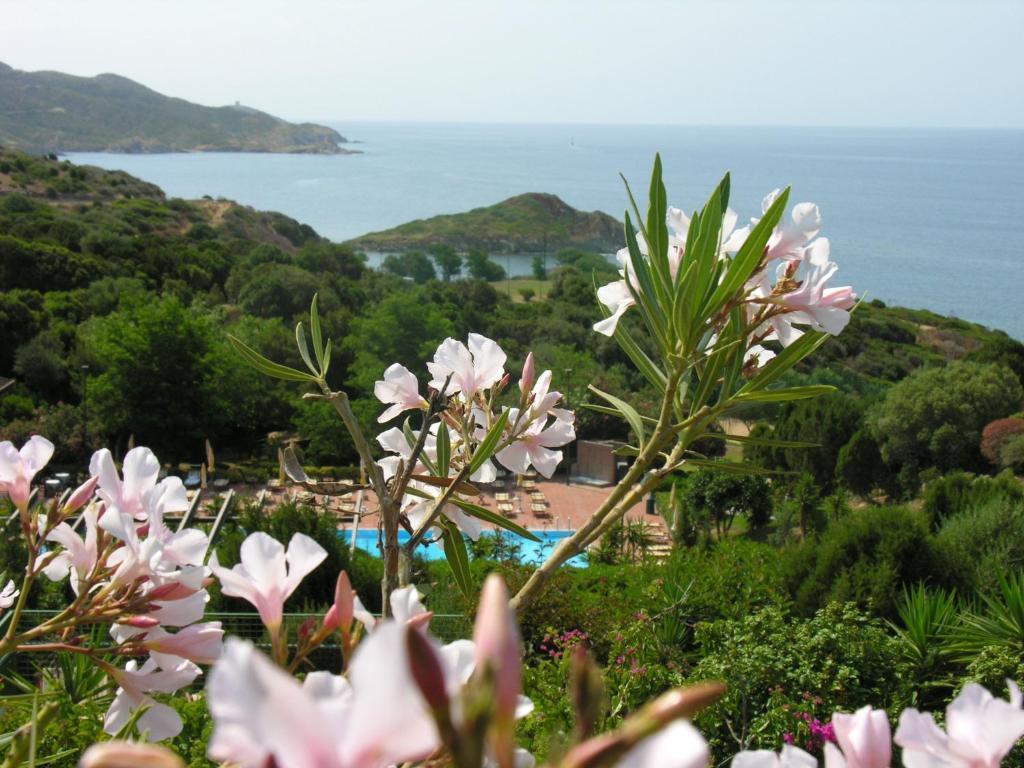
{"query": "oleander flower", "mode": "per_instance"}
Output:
(8, 595)
(789, 757)
(472, 368)
(678, 745)
(268, 574)
(136, 683)
(789, 238)
(865, 740)
(535, 445)
(400, 390)
(809, 302)
(140, 469)
(18, 468)
(79, 555)
(980, 731)
(198, 643)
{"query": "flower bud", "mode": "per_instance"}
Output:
(172, 590)
(306, 629)
(426, 670)
(526, 382)
(420, 620)
(141, 622)
(496, 637)
(81, 495)
(344, 601)
(331, 619)
(121, 754)
(864, 737)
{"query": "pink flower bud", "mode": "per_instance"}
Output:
(82, 494)
(331, 619)
(172, 590)
(121, 754)
(306, 628)
(526, 382)
(497, 644)
(344, 601)
(141, 622)
(420, 620)
(426, 670)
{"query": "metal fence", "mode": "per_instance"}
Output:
(445, 627)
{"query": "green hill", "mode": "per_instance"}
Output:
(53, 112)
(521, 224)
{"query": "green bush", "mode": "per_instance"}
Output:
(983, 542)
(865, 558)
(777, 667)
(961, 491)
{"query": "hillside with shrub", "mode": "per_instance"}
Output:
(55, 112)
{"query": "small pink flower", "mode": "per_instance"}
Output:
(199, 643)
(789, 757)
(8, 595)
(400, 390)
(534, 446)
(141, 470)
(160, 721)
(18, 468)
(268, 575)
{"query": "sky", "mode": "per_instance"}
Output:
(942, 63)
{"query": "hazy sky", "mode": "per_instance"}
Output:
(778, 62)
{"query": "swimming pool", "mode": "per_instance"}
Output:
(530, 552)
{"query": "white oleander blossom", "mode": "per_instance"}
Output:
(617, 297)
(19, 467)
(535, 445)
(788, 757)
(8, 595)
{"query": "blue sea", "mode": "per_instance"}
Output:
(918, 217)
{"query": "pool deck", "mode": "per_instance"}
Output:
(567, 506)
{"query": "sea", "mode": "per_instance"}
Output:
(924, 218)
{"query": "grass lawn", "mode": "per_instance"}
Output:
(540, 288)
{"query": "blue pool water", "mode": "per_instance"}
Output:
(530, 552)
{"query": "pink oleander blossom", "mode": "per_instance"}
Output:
(136, 683)
(79, 556)
(140, 469)
(980, 731)
(268, 574)
(535, 445)
(678, 745)
(18, 468)
(400, 390)
(864, 738)
(788, 239)
(473, 368)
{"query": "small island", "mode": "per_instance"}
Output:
(529, 223)
(43, 112)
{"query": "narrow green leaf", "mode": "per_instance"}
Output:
(314, 329)
(657, 224)
(767, 442)
(640, 359)
(627, 411)
(327, 359)
(444, 450)
(784, 395)
(265, 366)
(494, 518)
(489, 443)
(457, 557)
(410, 438)
(300, 341)
(608, 411)
(730, 467)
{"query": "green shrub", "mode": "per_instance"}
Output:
(865, 558)
(982, 543)
(961, 491)
(777, 667)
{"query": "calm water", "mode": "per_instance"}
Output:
(924, 218)
(530, 552)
